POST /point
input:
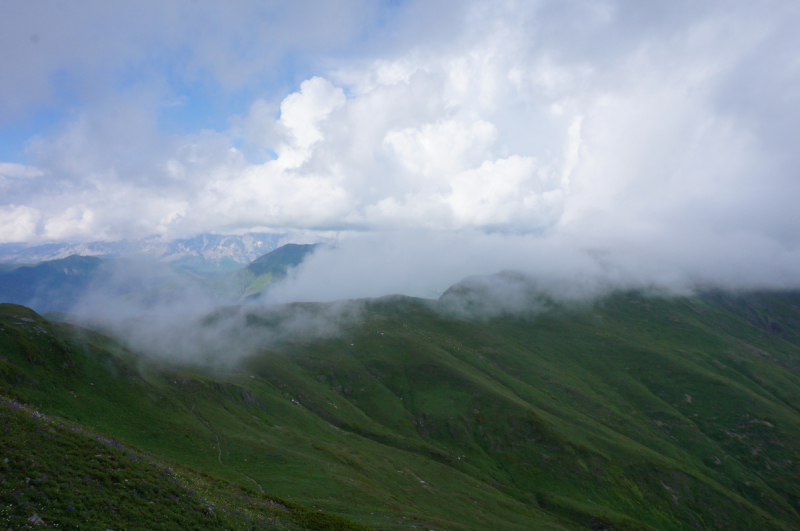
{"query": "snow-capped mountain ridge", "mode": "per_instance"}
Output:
(204, 252)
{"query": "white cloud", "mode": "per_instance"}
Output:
(18, 171)
(92, 49)
(74, 221)
(440, 149)
(17, 223)
(508, 193)
(624, 130)
(301, 111)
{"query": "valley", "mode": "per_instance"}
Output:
(82, 283)
(636, 411)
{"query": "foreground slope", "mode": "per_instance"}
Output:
(636, 412)
(59, 474)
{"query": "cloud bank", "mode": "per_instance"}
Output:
(635, 142)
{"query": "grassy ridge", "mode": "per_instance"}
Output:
(71, 478)
(636, 413)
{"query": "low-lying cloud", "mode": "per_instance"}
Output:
(172, 315)
(586, 145)
(562, 265)
(223, 336)
(164, 312)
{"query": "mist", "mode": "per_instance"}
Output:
(565, 266)
(465, 275)
(586, 147)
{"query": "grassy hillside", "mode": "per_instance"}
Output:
(59, 474)
(633, 413)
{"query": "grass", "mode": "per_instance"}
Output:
(637, 412)
(72, 478)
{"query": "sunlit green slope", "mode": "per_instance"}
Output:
(635, 412)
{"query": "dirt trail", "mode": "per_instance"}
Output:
(207, 425)
(219, 447)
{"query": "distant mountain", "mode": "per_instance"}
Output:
(57, 285)
(270, 268)
(53, 285)
(5, 268)
(203, 253)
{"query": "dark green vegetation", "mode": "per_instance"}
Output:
(633, 413)
(67, 477)
(56, 285)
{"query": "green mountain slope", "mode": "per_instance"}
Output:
(632, 413)
(59, 474)
(251, 280)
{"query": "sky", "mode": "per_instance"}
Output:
(619, 141)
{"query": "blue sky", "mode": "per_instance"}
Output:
(191, 96)
(572, 128)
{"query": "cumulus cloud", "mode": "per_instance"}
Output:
(641, 141)
(301, 113)
(17, 223)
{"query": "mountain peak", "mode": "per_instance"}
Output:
(281, 259)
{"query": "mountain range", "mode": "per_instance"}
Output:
(202, 253)
(633, 411)
(59, 285)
